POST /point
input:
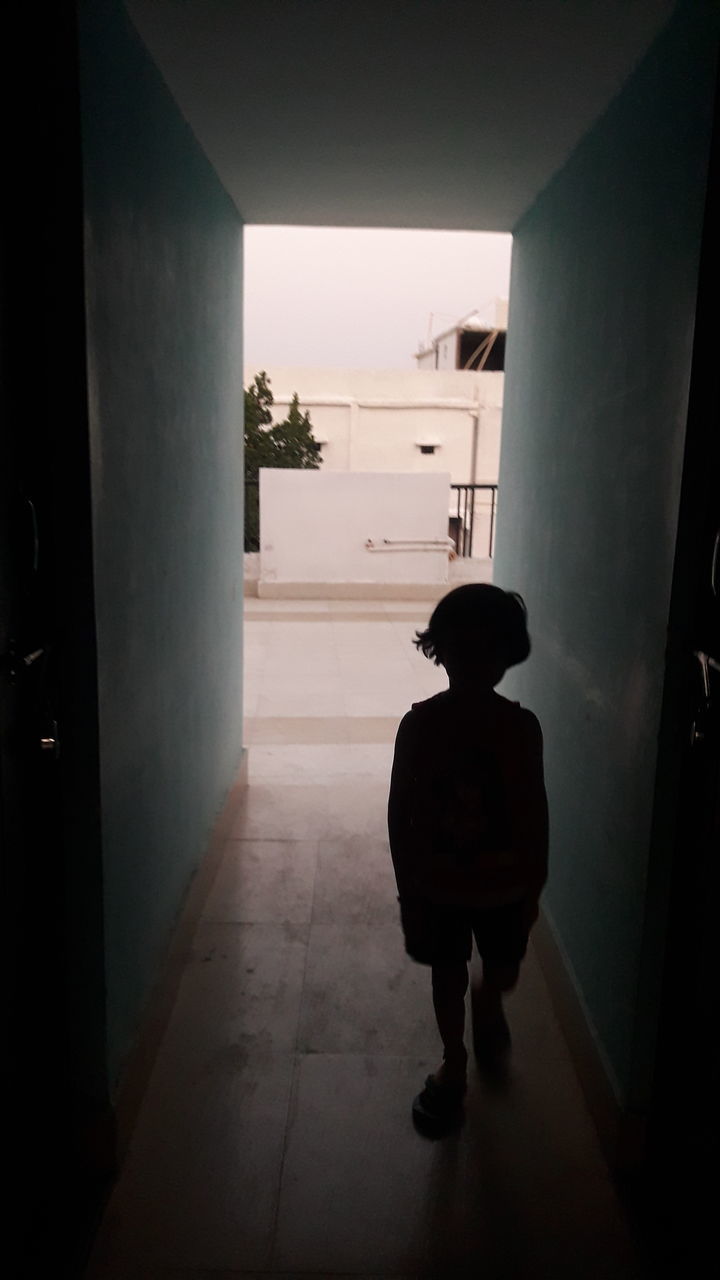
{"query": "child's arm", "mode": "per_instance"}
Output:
(416, 923)
(400, 803)
(528, 804)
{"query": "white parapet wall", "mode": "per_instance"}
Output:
(371, 534)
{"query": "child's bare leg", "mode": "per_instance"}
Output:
(496, 981)
(491, 1034)
(449, 984)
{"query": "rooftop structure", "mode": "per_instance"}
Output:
(472, 342)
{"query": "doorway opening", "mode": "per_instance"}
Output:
(381, 351)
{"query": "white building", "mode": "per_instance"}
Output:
(396, 420)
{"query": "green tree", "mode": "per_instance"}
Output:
(289, 443)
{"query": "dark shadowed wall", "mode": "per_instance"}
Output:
(601, 326)
(163, 263)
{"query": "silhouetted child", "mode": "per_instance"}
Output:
(467, 820)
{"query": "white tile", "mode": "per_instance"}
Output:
(284, 812)
(356, 1176)
(316, 763)
(199, 1185)
(240, 992)
(362, 994)
(264, 881)
(301, 704)
(391, 703)
(355, 884)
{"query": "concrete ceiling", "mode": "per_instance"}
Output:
(395, 113)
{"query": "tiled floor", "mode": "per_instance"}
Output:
(275, 1138)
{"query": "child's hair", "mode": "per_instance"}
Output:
(496, 620)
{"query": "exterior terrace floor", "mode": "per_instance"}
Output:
(275, 1137)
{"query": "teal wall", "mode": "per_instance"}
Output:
(601, 324)
(163, 271)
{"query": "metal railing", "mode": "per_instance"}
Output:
(472, 509)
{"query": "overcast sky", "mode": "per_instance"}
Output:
(363, 298)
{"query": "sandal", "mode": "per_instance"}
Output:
(438, 1105)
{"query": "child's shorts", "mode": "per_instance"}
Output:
(437, 935)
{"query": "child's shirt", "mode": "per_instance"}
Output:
(467, 813)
